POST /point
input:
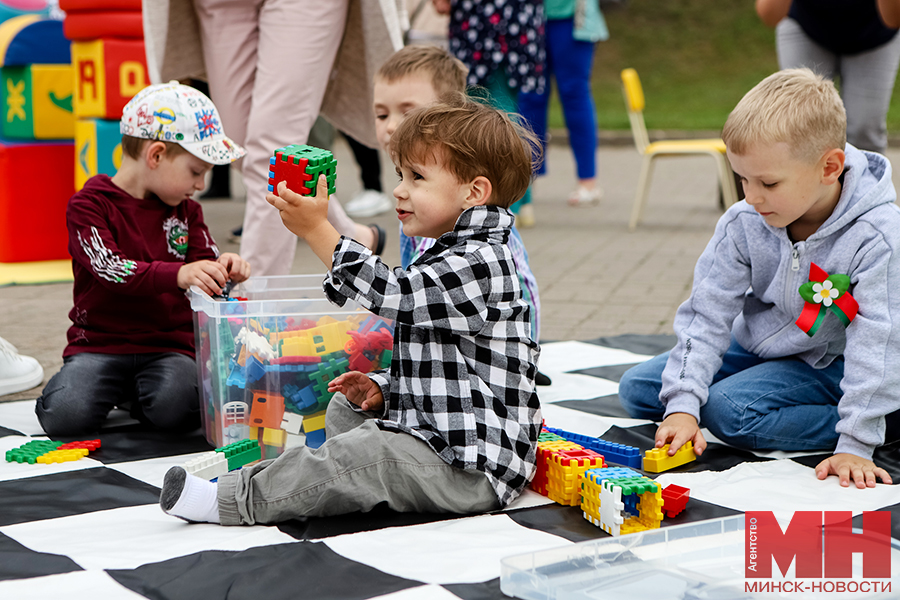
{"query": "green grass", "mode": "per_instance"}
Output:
(696, 58)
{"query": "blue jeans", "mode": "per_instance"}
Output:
(569, 61)
(757, 404)
(159, 389)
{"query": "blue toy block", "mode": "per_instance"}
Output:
(300, 399)
(314, 439)
(253, 369)
(236, 376)
(612, 452)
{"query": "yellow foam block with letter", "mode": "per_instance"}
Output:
(108, 73)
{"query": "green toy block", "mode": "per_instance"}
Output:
(636, 485)
(315, 161)
(385, 361)
(30, 451)
(241, 453)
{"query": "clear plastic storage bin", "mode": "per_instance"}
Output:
(266, 355)
(696, 561)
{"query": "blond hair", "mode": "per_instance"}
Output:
(794, 106)
(474, 140)
(447, 73)
(133, 146)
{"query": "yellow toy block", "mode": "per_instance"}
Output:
(314, 422)
(108, 72)
(564, 474)
(58, 456)
(657, 460)
(273, 437)
(316, 341)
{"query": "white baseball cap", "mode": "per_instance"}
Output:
(171, 112)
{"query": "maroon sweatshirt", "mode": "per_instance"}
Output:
(126, 254)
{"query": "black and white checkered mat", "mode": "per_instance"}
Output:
(93, 528)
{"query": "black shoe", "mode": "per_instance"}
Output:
(541, 379)
(380, 238)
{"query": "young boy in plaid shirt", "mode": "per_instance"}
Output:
(453, 425)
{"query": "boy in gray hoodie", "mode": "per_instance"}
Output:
(786, 341)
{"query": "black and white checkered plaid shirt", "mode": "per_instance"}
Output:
(462, 374)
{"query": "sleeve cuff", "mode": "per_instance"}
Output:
(850, 445)
(165, 276)
(683, 403)
(383, 381)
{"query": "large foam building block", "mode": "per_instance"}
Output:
(33, 204)
(98, 149)
(108, 72)
(37, 102)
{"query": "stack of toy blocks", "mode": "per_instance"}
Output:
(110, 67)
(621, 501)
(48, 451)
(37, 127)
(300, 166)
(618, 454)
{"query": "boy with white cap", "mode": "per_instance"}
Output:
(138, 241)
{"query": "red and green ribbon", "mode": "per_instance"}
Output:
(824, 292)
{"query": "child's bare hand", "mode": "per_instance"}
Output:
(849, 466)
(208, 275)
(301, 214)
(359, 389)
(678, 429)
(238, 269)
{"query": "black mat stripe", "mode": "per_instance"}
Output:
(20, 562)
(282, 571)
(71, 493)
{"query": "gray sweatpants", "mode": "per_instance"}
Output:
(866, 80)
(357, 467)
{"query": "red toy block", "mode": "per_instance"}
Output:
(76, 5)
(33, 219)
(567, 456)
(88, 444)
(95, 24)
(291, 170)
(675, 498)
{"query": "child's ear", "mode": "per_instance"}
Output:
(479, 191)
(832, 165)
(155, 153)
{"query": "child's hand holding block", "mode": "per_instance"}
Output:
(658, 460)
(299, 167)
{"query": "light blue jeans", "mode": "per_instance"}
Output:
(757, 404)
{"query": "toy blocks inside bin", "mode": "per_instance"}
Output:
(657, 460)
(300, 166)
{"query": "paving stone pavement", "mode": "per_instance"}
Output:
(595, 277)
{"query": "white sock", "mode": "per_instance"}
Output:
(189, 497)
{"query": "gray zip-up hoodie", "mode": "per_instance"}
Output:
(746, 282)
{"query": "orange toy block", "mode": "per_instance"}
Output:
(267, 410)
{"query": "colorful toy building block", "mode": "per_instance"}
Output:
(291, 423)
(108, 72)
(325, 372)
(35, 231)
(316, 438)
(301, 400)
(266, 410)
(300, 166)
(314, 422)
(544, 451)
(48, 451)
(611, 508)
(37, 102)
(98, 149)
(614, 516)
(208, 465)
(273, 437)
(564, 472)
(612, 452)
(675, 498)
(658, 460)
(241, 453)
(317, 341)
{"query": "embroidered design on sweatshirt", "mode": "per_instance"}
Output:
(176, 236)
(104, 262)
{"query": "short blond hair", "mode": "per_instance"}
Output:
(447, 73)
(474, 140)
(794, 106)
(133, 146)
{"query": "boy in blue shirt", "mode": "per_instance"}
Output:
(769, 354)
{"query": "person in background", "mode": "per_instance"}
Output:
(852, 41)
(572, 28)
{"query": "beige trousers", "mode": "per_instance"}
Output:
(268, 63)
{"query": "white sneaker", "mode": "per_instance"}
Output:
(584, 197)
(368, 203)
(17, 373)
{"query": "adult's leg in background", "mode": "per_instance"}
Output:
(867, 82)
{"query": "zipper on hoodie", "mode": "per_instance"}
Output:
(795, 266)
